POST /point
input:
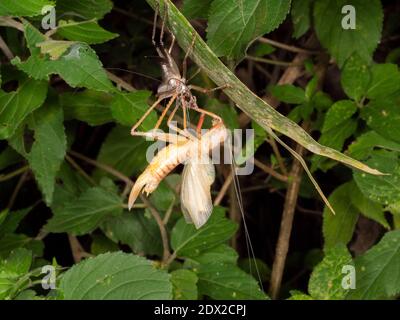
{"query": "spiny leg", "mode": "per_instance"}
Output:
(162, 136)
(163, 23)
(208, 113)
(146, 115)
(189, 50)
(183, 132)
(305, 167)
(153, 35)
(205, 91)
(171, 101)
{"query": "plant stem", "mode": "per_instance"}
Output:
(264, 114)
(80, 170)
(273, 62)
(6, 50)
(13, 174)
(18, 187)
(164, 235)
(286, 47)
(282, 246)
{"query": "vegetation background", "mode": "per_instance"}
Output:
(69, 96)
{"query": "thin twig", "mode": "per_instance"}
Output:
(270, 171)
(273, 62)
(10, 22)
(6, 50)
(223, 190)
(80, 170)
(282, 245)
(164, 235)
(278, 155)
(78, 253)
(8, 176)
(169, 211)
(103, 166)
(133, 15)
(120, 82)
(287, 47)
(18, 187)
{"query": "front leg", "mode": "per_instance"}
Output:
(162, 136)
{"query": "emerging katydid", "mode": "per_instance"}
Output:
(198, 173)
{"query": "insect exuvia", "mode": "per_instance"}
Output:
(198, 173)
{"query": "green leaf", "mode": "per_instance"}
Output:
(137, 230)
(27, 8)
(123, 152)
(87, 9)
(18, 262)
(381, 189)
(79, 66)
(12, 220)
(164, 196)
(326, 279)
(15, 106)
(11, 241)
(355, 77)
(54, 48)
(115, 276)
(184, 283)
(334, 138)
(339, 228)
(86, 213)
(225, 111)
(188, 241)
(193, 9)
(89, 106)
(337, 127)
(232, 26)
(301, 16)
(342, 43)
(222, 281)
(338, 113)
(367, 207)
(48, 150)
(255, 267)
(128, 108)
(289, 93)
(85, 31)
(8, 157)
(3, 216)
(383, 115)
(298, 295)
(221, 253)
(377, 270)
(6, 285)
(385, 80)
(101, 244)
(364, 145)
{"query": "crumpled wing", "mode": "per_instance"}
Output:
(196, 202)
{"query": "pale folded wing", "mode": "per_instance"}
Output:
(196, 202)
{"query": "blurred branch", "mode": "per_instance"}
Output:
(282, 246)
(8, 176)
(10, 22)
(6, 50)
(273, 62)
(286, 47)
(18, 187)
(78, 253)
